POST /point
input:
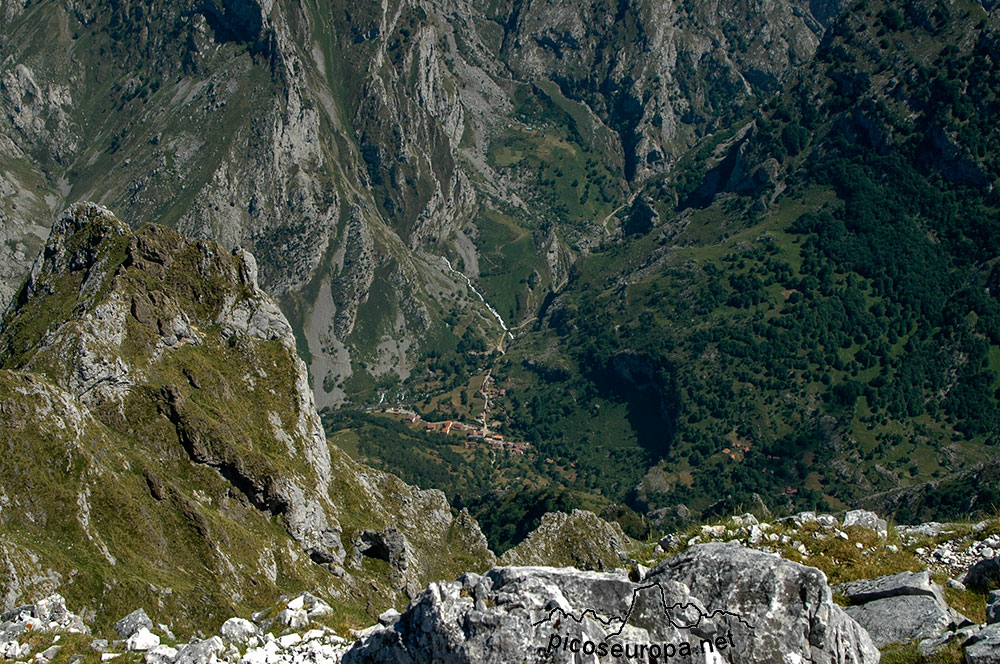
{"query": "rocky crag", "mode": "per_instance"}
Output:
(162, 446)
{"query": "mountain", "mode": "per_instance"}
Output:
(162, 445)
(697, 257)
(352, 149)
(804, 311)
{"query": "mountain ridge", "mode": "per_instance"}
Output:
(155, 344)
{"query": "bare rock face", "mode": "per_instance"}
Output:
(794, 602)
(711, 601)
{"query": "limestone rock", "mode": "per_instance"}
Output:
(985, 646)
(313, 606)
(201, 652)
(46, 615)
(984, 574)
(132, 623)
(868, 520)
(142, 640)
(580, 539)
(791, 599)
(900, 608)
(238, 630)
(934, 645)
(712, 591)
(161, 654)
(901, 619)
(993, 607)
(928, 529)
(294, 619)
(893, 585)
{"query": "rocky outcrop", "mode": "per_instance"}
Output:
(868, 520)
(46, 616)
(580, 539)
(710, 602)
(901, 608)
(702, 602)
(146, 374)
(984, 574)
(984, 646)
(132, 623)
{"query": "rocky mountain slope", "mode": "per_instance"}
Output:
(734, 591)
(351, 148)
(162, 445)
(733, 255)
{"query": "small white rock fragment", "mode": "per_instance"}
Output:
(289, 640)
(161, 654)
(142, 640)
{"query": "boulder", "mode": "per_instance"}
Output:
(161, 655)
(46, 615)
(201, 652)
(932, 646)
(288, 640)
(984, 575)
(14, 650)
(142, 640)
(389, 617)
(984, 647)
(993, 607)
(238, 630)
(294, 619)
(892, 585)
(900, 608)
(868, 520)
(132, 623)
(901, 619)
(714, 600)
(313, 606)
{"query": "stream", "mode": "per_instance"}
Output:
(496, 314)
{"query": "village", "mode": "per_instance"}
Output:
(475, 434)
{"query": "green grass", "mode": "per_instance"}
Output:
(507, 260)
(910, 654)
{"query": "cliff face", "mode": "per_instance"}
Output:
(162, 437)
(351, 147)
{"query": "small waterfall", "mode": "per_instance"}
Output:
(496, 314)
